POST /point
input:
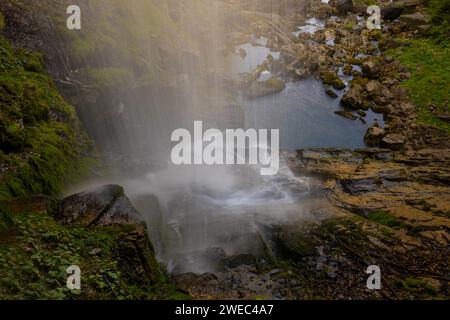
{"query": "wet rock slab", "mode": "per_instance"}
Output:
(106, 205)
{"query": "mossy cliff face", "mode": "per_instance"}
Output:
(42, 145)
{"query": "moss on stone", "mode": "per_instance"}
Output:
(415, 285)
(2, 21)
(384, 218)
(105, 78)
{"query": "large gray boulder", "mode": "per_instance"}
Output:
(109, 206)
(102, 206)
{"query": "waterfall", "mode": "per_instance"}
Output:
(156, 66)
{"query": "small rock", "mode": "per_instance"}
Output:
(354, 98)
(346, 114)
(373, 87)
(388, 59)
(242, 53)
(393, 141)
(387, 93)
(361, 113)
(95, 251)
(374, 136)
(385, 109)
(343, 6)
(331, 93)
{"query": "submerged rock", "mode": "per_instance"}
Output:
(264, 88)
(382, 109)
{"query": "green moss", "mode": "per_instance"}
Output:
(41, 141)
(365, 2)
(415, 285)
(430, 69)
(362, 82)
(440, 17)
(31, 61)
(5, 219)
(384, 218)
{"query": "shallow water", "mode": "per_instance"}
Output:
(303, 112)
(312, 25)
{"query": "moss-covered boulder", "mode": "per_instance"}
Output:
(332, 79)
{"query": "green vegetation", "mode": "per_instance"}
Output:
(415, 285)
(384, 218)
(440, 17)
(428, 61)
(105, 78)
(41, 140)
(428, 86)
(33, 263)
